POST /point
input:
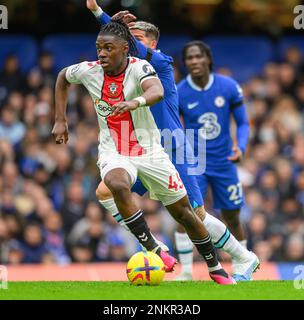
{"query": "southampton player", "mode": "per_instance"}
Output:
(206, 102)
(122, 89)
(167, 117)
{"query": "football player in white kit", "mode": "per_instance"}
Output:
(122, 88)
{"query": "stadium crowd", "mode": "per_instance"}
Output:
(48, 208)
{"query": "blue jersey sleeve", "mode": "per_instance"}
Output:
(240, 116)
(104, 18)
(239, 113)
(236, 94)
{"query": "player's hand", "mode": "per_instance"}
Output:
(237, 154)
(60, 132)
(92, 5)
(127, 17)
(124, 106)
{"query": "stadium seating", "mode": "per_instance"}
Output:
(245, 56)
(290, 41)
(24, 47)
(70, 48)
(172, 44)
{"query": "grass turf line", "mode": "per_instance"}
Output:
(170, 290)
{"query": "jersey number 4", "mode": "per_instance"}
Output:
(175, 182)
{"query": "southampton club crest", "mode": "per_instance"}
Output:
(103, 109)
(113, 89)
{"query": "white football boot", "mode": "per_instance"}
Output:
(184, 276)
(243, 269)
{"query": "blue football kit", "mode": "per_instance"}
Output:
(208, 111)
(166, 116)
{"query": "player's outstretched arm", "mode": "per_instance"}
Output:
(153, 93)
(60, 129)
(104, 18)
(128, 18)
(92, 5)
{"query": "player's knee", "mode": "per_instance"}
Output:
(118, 188)
(200, 212)
(102, 194)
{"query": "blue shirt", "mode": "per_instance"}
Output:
(207, 111)
(165, 113)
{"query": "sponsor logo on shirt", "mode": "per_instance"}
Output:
(103, 109)
(192, 105)
(210, 128)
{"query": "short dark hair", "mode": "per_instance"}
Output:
(119, 29)
(205, 49)
(149, 28)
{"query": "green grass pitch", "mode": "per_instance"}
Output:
(170, 290)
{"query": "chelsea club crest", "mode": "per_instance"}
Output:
(219, 101)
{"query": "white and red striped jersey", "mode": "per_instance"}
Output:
(132, 133)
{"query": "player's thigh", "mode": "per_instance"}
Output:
(227, 190)
(191, 185)
(108, 164)
(160, 177)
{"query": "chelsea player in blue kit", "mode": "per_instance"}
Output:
(206, 102)
(167, 117)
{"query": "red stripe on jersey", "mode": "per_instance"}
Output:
(121, 126)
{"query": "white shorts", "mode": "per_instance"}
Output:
(156, 172)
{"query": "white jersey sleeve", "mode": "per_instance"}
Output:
(75, 72)
(143, 71)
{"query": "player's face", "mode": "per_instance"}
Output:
(197, 62)
(142, 37)
(112, 53)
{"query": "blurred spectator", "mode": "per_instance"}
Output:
(46, 67)
(10, 77)
(33, 245)
(74, 206)
(295, 248)
(54, 238)
(11, 128)
(264, 250)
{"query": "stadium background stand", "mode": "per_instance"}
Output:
(232, 52)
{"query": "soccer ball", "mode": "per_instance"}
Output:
(145, 268)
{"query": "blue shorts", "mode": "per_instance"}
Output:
(189, 181)
(225, 185)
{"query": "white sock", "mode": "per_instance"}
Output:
(223, 239)
(184, 247)
(110, 205)
(243, 243)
